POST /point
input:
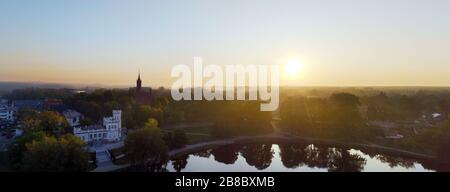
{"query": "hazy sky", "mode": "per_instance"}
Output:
(340, 42)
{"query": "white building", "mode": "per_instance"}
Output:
(72, 117)
(110, 131)
(7, 113)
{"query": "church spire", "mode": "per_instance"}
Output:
(139, 74)
(139, 82)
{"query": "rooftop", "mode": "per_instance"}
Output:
(71, 114)
(92, 127)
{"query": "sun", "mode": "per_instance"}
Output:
(293, 67)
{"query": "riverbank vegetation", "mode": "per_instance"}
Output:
(336, 117)
(145, 147)
(416, 121)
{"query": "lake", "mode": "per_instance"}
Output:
(297, 158)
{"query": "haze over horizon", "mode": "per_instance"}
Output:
(340, 43)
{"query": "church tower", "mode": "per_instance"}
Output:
(141, 95)
(139, 82)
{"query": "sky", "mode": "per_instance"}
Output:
(339, 43)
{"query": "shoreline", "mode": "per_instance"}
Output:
(275, 139)
(280, 139)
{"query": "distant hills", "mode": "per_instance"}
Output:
(9, 86)
(6, 86)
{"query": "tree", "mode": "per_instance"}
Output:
(179, 139)
(295, 116)
(379, 107)
(108, 107)
(64, 154)
(444, 107)
(49, 122)
(86, 121)
(29, 123)
(345, 100)
(158, 114)
(160, 102)
(53, 123)
(346, 119)
(336, 117)
(168, 139)
(29, 119)
(141, 114)
(173, 113)
(18, 148)
(27, 113)
(145, 146)
(151, 123)
(239, 118)
(441, 140)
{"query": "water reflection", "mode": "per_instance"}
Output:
(259, 156)
(294, 158)
(332, 159)
(180, 163)
(226, 154)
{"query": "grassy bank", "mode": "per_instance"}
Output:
(194, 134)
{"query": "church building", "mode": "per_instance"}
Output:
(142, 95)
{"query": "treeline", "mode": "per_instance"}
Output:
(234, 118)
(434, 141)
(230, 118)
(337, 116)
(99, 103)
(395, 107)
(344, 116)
